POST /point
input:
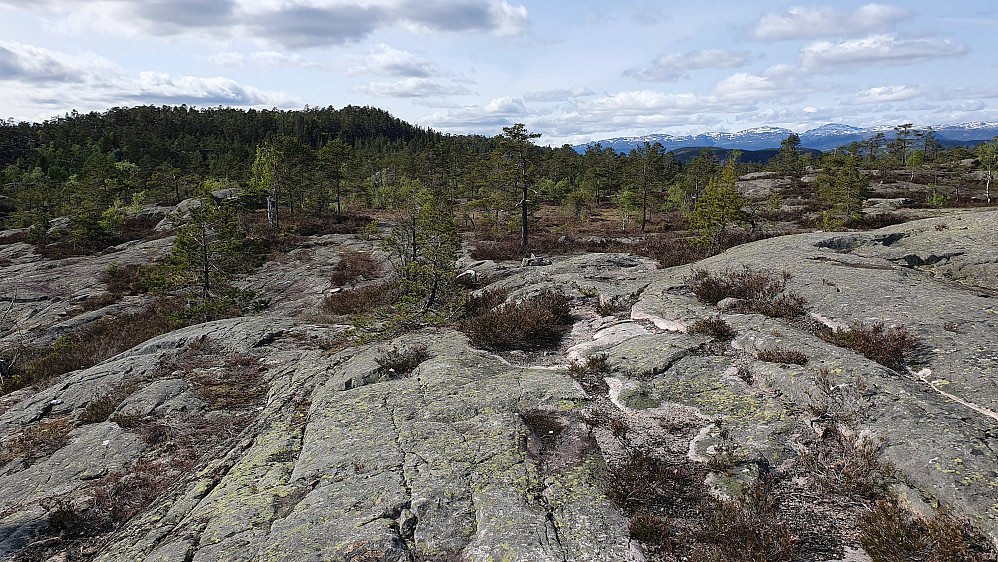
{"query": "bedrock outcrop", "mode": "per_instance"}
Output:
(295, 447)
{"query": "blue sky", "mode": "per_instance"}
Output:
(573, 71)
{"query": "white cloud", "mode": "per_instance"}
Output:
(804, 22)
(383, 60)
(35, 65)
(492, 115)
(670, 68)
(876, 50)
(774, 83)
(509, 20)
(413, 88)
(647, 109)
(561, 94)
(231, 59)
(883, 94)
(297, 24)
(37, 77)
(155, 87)
(276, 59)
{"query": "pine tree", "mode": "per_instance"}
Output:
(516, 143)
(720, 205)
(208, 252)
(423, 247)
(844, 187)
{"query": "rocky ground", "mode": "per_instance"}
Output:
(273, 437)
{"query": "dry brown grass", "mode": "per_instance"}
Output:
(397, 362)
(132, 279)
(103, 406)
(89, 345)
(354, 266)
(236, 383)
(747, 529)
(591, 374)
(359, 300)
(847, 466)
(36, 442)
(891, 533)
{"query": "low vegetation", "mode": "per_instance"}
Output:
(747, 528)
(890, 532)
(359, 300)
(36, 442)
(847, 465)
(103, 406)
(580, 203)
(353, 267)
(89, 345)
(889, 346)
(756, 290)
(782, 355)
(396, 362)
(534, 322)
(591, 373)
(713, 326)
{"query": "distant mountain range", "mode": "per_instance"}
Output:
(823, 138)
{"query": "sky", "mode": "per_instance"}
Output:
(573, 71)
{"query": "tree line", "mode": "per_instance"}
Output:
(92, 167)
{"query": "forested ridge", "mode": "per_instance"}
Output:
(320, 160)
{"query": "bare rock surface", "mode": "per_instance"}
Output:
(318, 455)
(46, 292)
(937, 418)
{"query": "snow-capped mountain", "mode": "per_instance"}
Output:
(825, 137)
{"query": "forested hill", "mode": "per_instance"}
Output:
(214, 142)
(99, 169)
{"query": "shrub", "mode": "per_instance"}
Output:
(399, 362)
(90, 344)
(642, 480)
(100, 408)
(846, 465)
(747, 529)
(354, 266)
(891, 533)
(359, 300)
(714, 327)
(591, 372)
(835, 401)
(781, 355)
(97, 302)
(476, 305)
(131, 279)
(759, 291)
(874, 221)
(887, 346)
(237, 383)
(670, 251)
(649, 529)
(116, 499)
(37, 442)
(500, 250)
(133, 228)
(536, 322)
